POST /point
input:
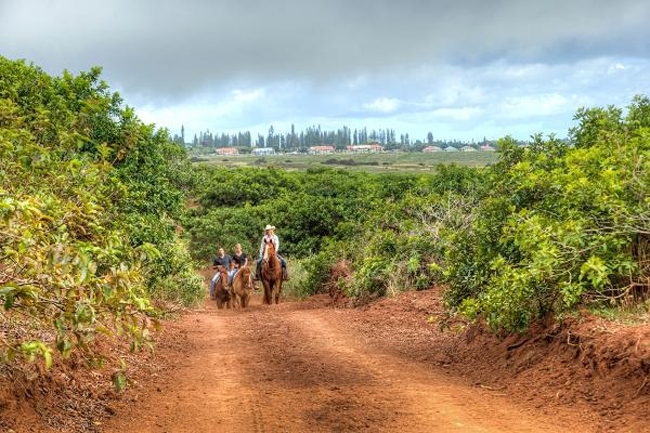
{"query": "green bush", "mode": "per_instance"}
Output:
(88, 198)
(562, 224)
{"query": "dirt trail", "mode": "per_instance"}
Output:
(296, 368)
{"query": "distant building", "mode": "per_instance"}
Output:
(227, 151)
(451, 149)
(263, 151)
(468, 149)
(431, 149)
(487, 148)
(365, 148)
(321, 150)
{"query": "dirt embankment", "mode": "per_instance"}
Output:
(597, 370)
(320, 365)
(70, 397)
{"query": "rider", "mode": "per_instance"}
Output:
(222, 260)
(270, 236)
(239, 259)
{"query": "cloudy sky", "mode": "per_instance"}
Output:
(461, 69)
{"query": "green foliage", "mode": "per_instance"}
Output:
(561, 225)
(88, 195)
(296, 287)
(306, 207)
(318, 268)
(551, 226)
(382, 223)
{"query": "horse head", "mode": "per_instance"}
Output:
(246, 276)
(223, 272)
(269, 253)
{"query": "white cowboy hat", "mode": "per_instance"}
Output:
(269, 227)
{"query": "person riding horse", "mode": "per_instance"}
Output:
(239, 260)
(271, 237)
(223, 261)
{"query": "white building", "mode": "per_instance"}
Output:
(321, 150)
(263, 151)
(365, 148)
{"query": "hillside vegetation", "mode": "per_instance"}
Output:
(549, 227)
(89, 198)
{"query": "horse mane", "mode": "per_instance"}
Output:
(244, 271)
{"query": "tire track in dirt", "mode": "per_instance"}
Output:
(428, 400)
(292, 368)
(203, 391)
(310, 387)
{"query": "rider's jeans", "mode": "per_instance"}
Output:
(213, 283)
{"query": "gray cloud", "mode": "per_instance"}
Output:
(167, 50)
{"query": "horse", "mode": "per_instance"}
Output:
(271, 275)
(242, 285)
(221, 292)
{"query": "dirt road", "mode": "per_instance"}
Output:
(298, 368)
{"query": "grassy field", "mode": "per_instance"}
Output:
(377, 162)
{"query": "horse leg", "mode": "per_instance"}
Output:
(265, 296)
(278, 286)
(274, 291)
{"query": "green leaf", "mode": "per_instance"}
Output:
(9, 301)
(119, 381)
(47, 355)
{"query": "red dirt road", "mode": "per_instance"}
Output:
(298, 367)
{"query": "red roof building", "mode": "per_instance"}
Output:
(321, 150)
(227, 151)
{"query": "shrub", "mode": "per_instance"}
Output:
(88, 195)
(562, 224)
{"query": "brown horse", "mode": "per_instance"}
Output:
(271, 274)
(242, 285)
(221, 292)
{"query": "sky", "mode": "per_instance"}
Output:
(463, 69)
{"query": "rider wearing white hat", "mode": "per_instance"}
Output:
(270, 236)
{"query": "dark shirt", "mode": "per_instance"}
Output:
(239, 260)
(223, 261)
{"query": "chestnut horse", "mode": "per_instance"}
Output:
(242, 285)
(271, 274)
(221, 293)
